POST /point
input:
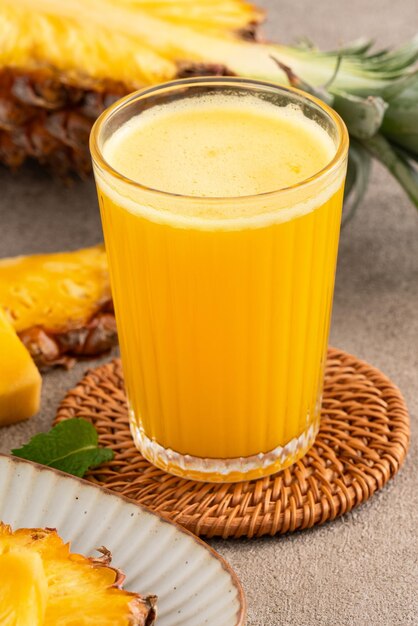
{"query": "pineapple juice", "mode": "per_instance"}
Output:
(222, 292)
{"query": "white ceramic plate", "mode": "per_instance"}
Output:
(195, 586)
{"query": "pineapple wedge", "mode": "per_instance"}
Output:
(59, 304)
(63, 588)
(20, 381)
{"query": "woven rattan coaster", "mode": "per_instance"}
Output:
(361, 444)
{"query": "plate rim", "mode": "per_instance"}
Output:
(241, 615)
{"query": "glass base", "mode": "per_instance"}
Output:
(224, 470)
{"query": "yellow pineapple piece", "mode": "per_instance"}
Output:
(60, 303)
(56, 291)
(23, 589)
(20, 381)
(79, 591)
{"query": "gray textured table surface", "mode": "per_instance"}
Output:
(362, 569)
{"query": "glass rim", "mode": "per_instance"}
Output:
(332, 166)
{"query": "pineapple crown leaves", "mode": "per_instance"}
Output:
(358, 62)
(71, 446)
(377, 96)
(362, 115)
(358, 172)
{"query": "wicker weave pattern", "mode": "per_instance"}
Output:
(362, 442)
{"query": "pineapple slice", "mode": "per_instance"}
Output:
(59, 304)
(23, 589)
(20, 381)
(67, 589)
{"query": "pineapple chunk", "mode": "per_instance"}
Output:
(23, 589)
(20, 381)
(80, 591)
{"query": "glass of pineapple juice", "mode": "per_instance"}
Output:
(220, 201)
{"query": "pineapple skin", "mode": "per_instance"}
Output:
(45, 118)
(76, 590)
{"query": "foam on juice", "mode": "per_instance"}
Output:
(219, 147)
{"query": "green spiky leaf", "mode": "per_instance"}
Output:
(358, 173)
(397, 162)
(376, 93)
(363, 116)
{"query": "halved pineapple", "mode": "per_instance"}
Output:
(43, 584)
(59, 304)
(62, 63)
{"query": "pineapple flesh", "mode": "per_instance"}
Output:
(23, 589)
(43, 584)
(59, 304)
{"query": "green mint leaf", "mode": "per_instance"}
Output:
(70, 446)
